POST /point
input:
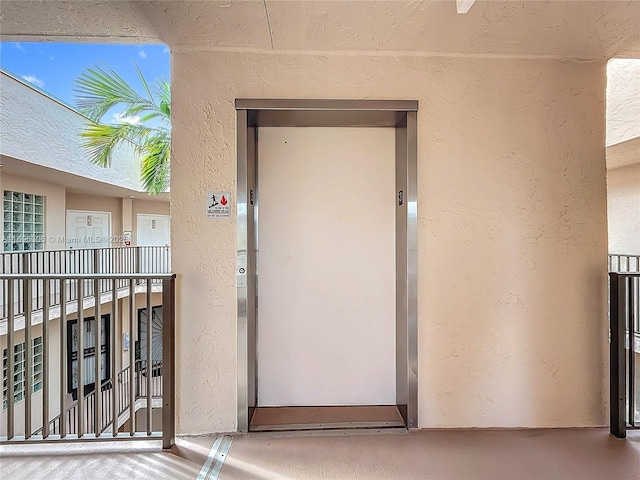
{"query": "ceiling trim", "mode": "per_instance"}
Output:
(383, 53)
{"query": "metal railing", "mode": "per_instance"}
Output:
(622, 263)
(152, 259)
(93, 413)
(121, 406)
(70, 415)
(624, 319)
(114, 260)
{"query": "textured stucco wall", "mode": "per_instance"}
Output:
(623, 100)
(623, 209)
(40, 130)
(512, 229)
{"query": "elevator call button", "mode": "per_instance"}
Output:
(242, 271)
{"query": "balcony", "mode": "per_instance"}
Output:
(124, 352)
(129, 260)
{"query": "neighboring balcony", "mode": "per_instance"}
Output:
(115, 260)
(124, 300)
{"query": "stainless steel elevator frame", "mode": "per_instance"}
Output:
(400, 114)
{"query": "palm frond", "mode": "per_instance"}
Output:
(101, 88)
(100, 140)
(163, 90)
(155, 164)
(144, 84)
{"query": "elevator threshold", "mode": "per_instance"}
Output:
(272, 419)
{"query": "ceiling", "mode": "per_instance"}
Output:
(73, 183)
(623, 154)
(558, 29)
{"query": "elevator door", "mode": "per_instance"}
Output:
(326, 266)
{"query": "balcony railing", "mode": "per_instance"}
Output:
(624, 322)
(622, 263)
(98, 414)
(70, 415)
(115, 260)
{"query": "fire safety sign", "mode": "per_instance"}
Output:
(218, 205)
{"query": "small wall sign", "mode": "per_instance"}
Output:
(218, 205)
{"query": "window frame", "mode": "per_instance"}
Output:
(72, 356)
(19, 365)
(24, 218)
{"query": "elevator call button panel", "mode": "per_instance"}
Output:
(242, 271)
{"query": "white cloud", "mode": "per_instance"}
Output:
(122, 118)
(18, 46)
(33, 79)
(142, 54)
(165, 50)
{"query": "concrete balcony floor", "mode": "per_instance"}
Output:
(561, 454)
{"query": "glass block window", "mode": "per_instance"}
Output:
(36, 365)
(18, 370)
(23, 221)
(18, 374)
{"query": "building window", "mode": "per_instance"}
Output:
(156, 340)
(18, 370)
(89, 338)
(37, 364)
(23, 221)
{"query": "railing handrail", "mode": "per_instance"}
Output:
(15, 252)
(87, 276)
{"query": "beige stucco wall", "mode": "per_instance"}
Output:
(58, 201)
(512, 229)
(54, 227)
(623, 209)
(623, 100)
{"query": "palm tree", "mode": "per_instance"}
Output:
(145, 122)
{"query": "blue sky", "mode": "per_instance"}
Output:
(53, 67)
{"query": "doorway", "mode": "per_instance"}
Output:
(327, 271)
(336, 329)
(88, 229)
(154, 232)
